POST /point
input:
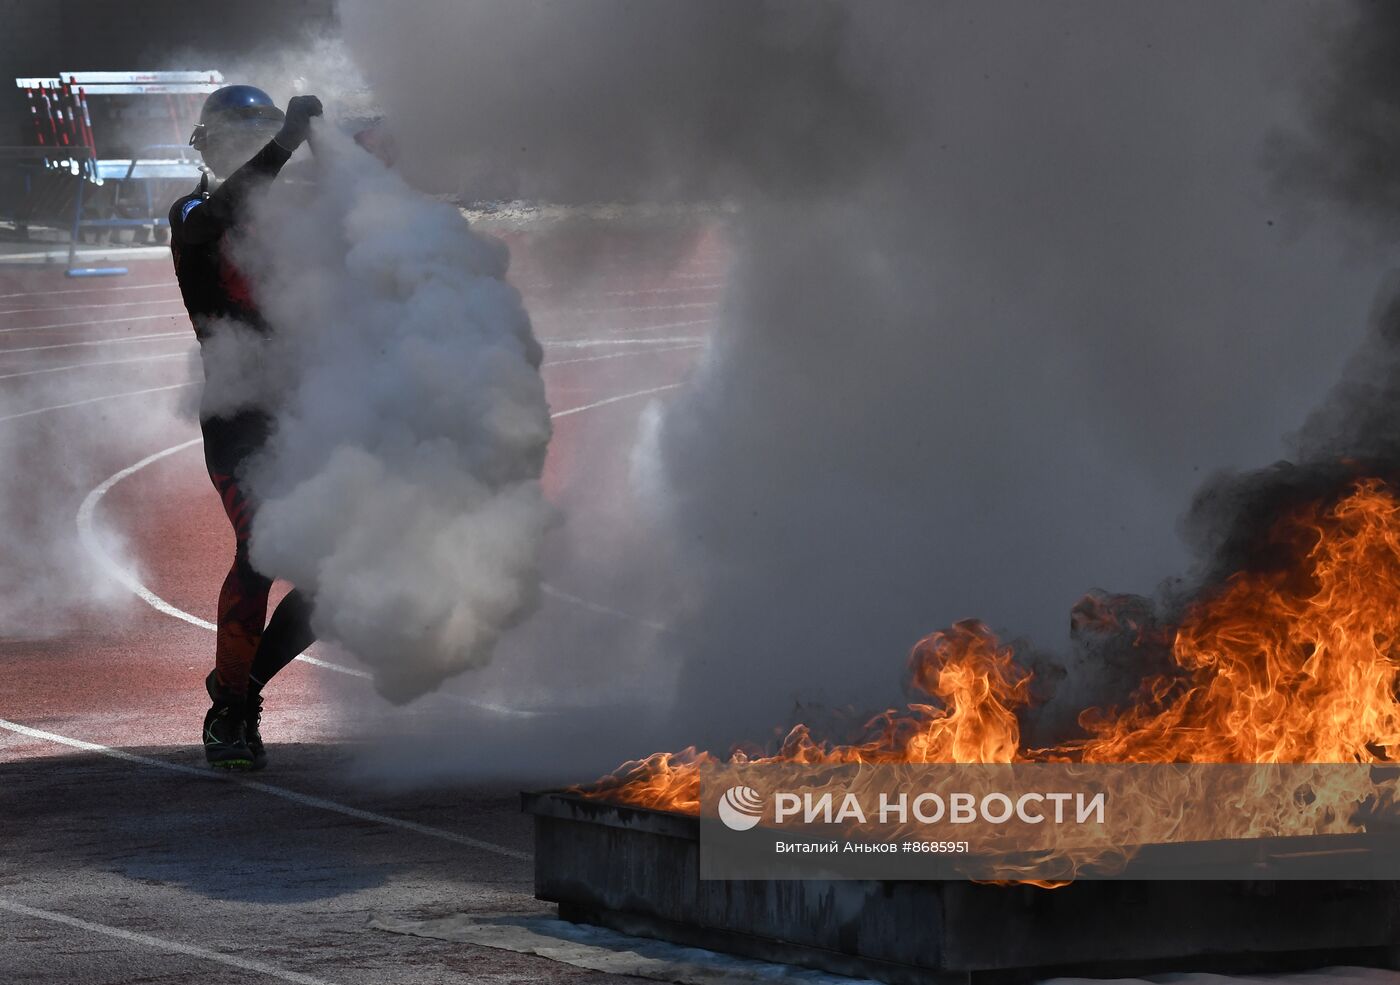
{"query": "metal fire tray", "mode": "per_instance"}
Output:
(637, 871)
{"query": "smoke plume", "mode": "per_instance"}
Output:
(1005, 287)
(400, 488)
(1008, 281)
(1344, 156)
(1337, 160)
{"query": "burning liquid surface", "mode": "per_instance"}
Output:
(1295, 662)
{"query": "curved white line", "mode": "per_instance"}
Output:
(320, 803)
(94, 400)
(159, 944)
(87, 535)
(116, 341)
(102, 321)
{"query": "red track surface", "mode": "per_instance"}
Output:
(133, 677)
(124, 858)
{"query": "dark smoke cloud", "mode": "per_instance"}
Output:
(1008, 282)
(1339, 159)
(1346, 154)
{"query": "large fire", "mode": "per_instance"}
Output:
(1294, 664)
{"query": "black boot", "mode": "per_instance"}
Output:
(225, 731)
(252, 718)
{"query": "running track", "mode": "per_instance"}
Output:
(124, 859)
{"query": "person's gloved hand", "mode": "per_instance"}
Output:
(297, 125)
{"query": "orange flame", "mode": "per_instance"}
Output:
(975, 678)
(1296, 664)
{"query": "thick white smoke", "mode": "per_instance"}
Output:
(400, 488)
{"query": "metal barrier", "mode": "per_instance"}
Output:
(63, 170)
(104, 195)
(150, 171)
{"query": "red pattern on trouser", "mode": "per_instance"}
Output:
(243, 598)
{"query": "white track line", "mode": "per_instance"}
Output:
(561, 343)
(96, 304)
(159, 944)
(602, 610)
(639, 307)
(594, 343)
(102, 321)
(87, 536)
(94, 400)
(612, 355)
(182, 355)
(115, 254)
(114, 362)
(673, 324)
(306, 800)
(715, 279)
(178, 300)
(117, 341)
(164, 284)
(542, 312)
(612, 400)
(688, 288)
